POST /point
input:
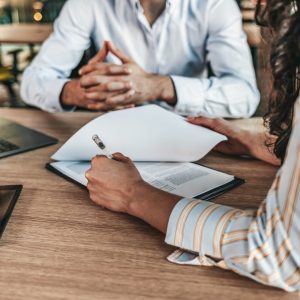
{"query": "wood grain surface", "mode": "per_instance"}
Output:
(59, 245)
(25, 33)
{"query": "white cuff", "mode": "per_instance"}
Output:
(190, 95)
(52, 99)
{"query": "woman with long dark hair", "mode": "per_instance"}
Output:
(264, 244)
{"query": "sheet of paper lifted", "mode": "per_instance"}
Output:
(183, 179)
(161, 143)
(146, 133)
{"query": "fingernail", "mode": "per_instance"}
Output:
(113, 86)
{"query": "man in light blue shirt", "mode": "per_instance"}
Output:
(165, 47)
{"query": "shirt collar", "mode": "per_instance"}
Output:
(170, 5)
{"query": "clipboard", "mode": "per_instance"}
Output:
(207, 196)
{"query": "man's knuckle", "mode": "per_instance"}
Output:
(106, 69)
(127, 96)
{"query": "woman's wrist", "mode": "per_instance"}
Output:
(256, 142)
(152, 205)
(133, 198)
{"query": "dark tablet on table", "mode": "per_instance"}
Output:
(9, 195)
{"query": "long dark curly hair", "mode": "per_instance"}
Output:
(283, 19)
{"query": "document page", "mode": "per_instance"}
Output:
(183, 179)
(146, 133)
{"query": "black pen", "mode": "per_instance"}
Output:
(102, 146)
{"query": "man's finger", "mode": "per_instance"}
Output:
(96, 105)
(114, 86)
(102, 53)
(105, 69)
(123, 57)
(120, 107)
(118, 86)
(122, 98)
(101, 96)
(112, 83)
(97, 96)
(91, 79)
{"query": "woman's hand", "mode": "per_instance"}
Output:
(113, 183)
(117, 185)
(245, 137)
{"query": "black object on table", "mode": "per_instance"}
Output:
(9, 195)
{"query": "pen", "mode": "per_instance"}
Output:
(101, 145)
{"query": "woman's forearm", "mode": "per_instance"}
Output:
(152, 205)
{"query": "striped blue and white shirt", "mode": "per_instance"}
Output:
(263, 245)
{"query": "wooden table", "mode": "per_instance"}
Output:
(59, 245)
(24, 33)
(38, 33)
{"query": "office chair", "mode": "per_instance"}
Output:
(9, 74)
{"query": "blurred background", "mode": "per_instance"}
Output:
(25, 24)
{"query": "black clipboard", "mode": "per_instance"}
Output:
(207, 196)
(9, 195)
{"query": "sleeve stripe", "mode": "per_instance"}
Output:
(283, 252)
(294, 201)
(261, 252)
(239, 232)
(281, 255)
(200, 225)
(235, 240)
(268, 278)
(177, 253)
(275, 185)
(219, 231)
(273, 222)
(182, 219)
(264, 250)
(289, 207)
(294, 278)
(235, 234)
(242, 235)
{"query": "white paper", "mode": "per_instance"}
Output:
(146, 133)
(182, 179)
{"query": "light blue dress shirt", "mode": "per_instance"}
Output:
(186, 36)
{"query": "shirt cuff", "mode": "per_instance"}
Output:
(198, 226)
(190, 95)
(53, 90)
